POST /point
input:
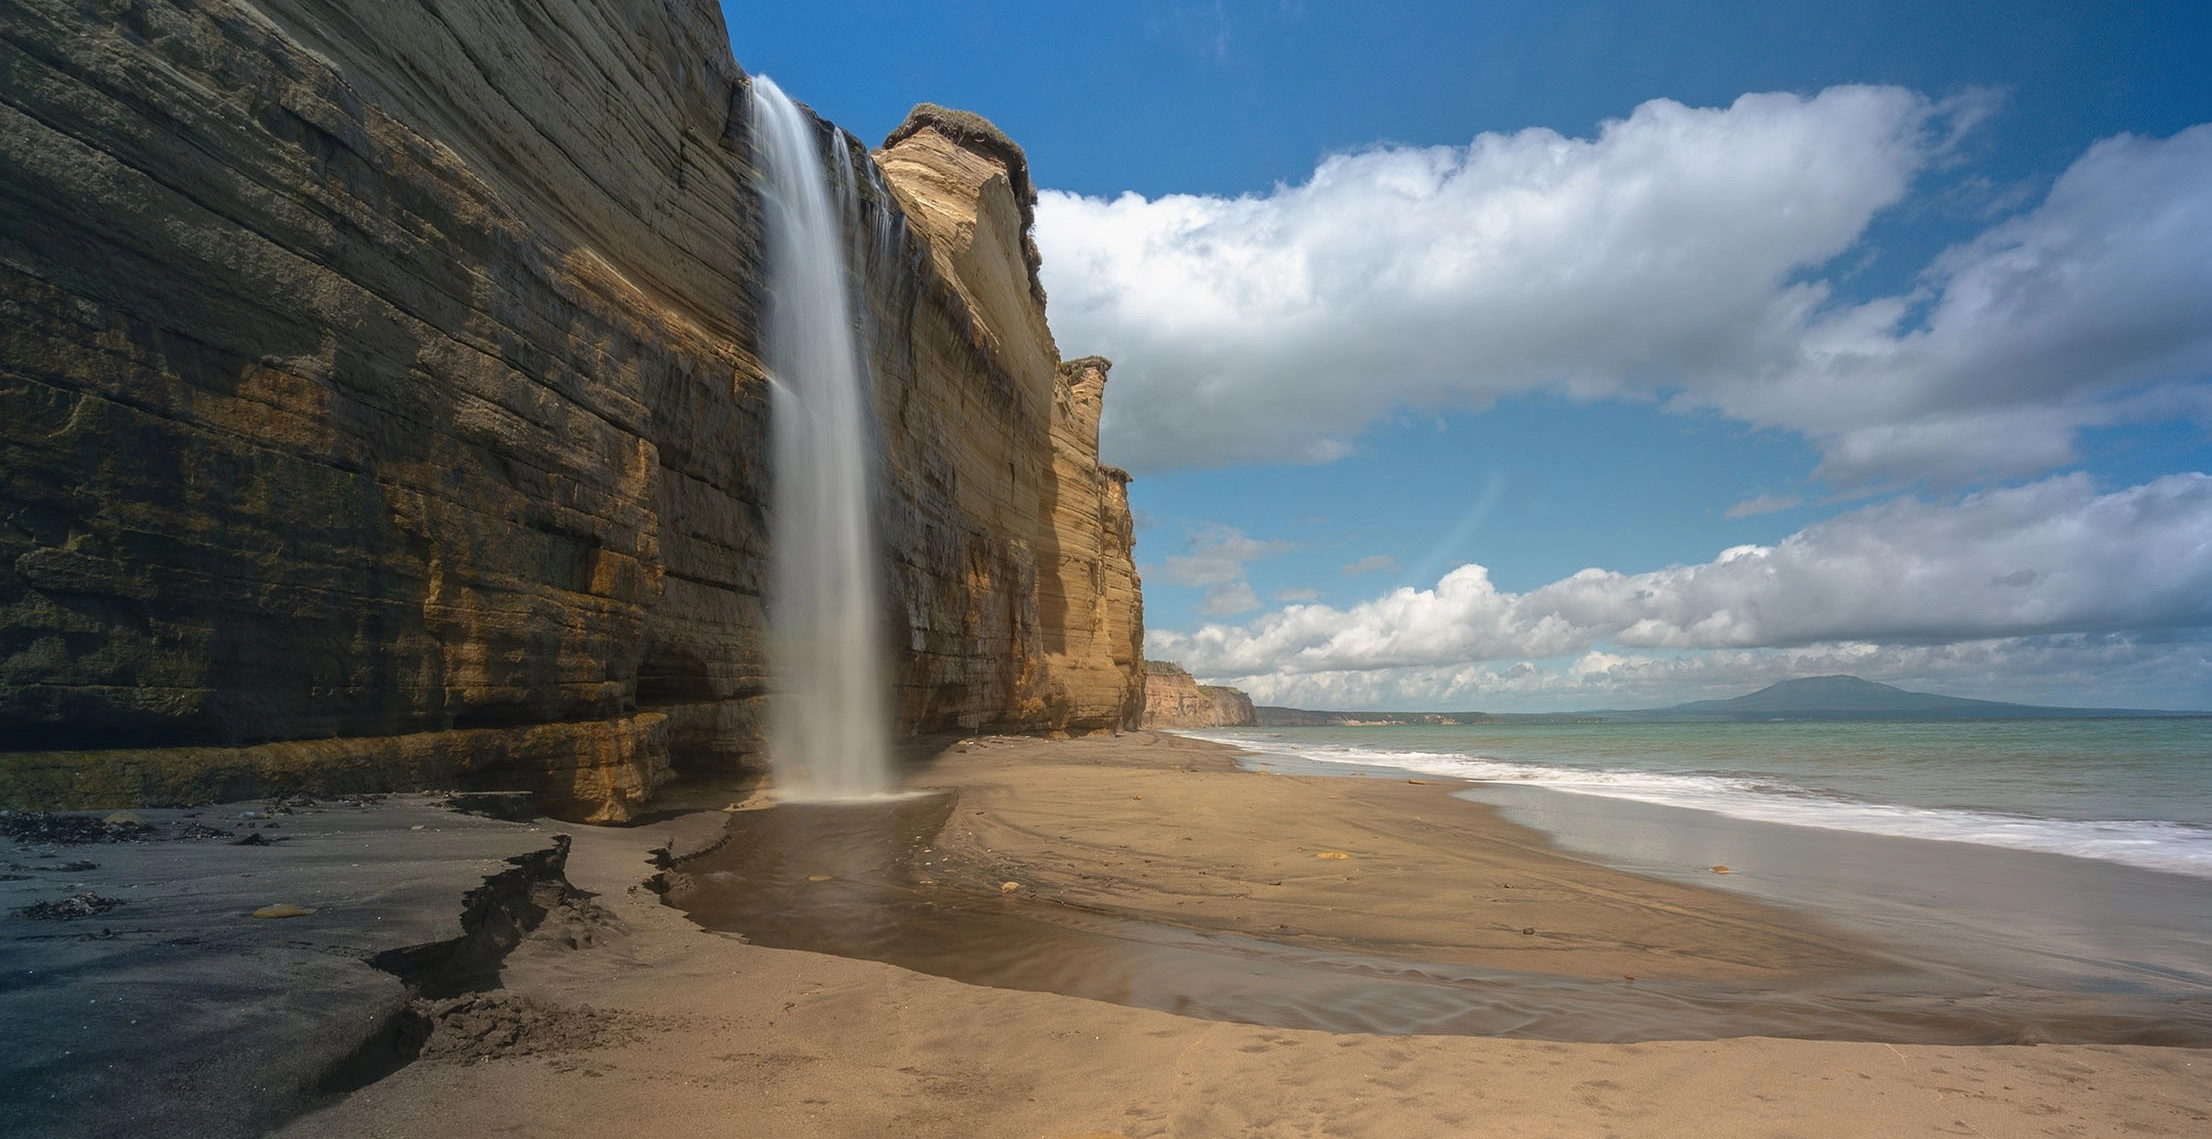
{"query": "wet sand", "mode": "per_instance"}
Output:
(1980, 914)
(1366, 905)
(707, 1035)
(223, 966)
(1166, 828)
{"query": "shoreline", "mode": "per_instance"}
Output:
(708, 1035)
(1163, 872)
(2126, 936)
(1188, 838)
(1871, 778)
(1952, 907)
(617, 1013)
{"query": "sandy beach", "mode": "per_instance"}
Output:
(653, 1024)
(1590, 570)
(1165, 828)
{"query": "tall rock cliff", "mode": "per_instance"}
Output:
(965, 188)
(382, 407)
(1172, 699)
(1093, 602)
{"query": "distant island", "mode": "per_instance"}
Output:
(1807, 698)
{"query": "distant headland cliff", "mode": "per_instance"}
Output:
(1172, 699)
(383, 408)
(1815, 698)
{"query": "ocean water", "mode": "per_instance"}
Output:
(2134, 792)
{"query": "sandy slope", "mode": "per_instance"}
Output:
(668, 1030)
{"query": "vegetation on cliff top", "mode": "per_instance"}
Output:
(973, 131)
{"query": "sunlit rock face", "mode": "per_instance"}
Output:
(380, 407)
(1048, 542)
(1172, 699)
(1094, 599)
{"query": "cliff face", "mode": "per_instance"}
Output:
(1172, 699)
(382, 408)
(1058, 541)
(1093, 602)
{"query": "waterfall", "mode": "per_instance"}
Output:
(829, 728)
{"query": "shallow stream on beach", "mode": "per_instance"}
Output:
(857, 881)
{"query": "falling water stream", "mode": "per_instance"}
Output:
(828, 724)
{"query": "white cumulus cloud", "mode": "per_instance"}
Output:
(2153, 672)
(1762, 504)
(1229, 600)
(2049, 558)
(1677, 252)
(2093, 308)
(1215, 555)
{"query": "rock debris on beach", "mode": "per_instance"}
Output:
(71, 908)
(72, 830)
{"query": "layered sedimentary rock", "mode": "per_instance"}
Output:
(1093, 603)
(964, 189)
(1172, 699)
(382, 407)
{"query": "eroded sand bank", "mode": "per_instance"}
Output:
(667, 1029)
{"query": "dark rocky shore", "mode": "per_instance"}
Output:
(215, 971)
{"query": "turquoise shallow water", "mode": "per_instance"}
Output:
(2136, 792)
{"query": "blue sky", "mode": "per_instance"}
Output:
(1730, 341)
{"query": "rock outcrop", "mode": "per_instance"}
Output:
(380, 406)
(1172, 699)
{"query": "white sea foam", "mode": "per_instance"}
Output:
(2175, 847)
